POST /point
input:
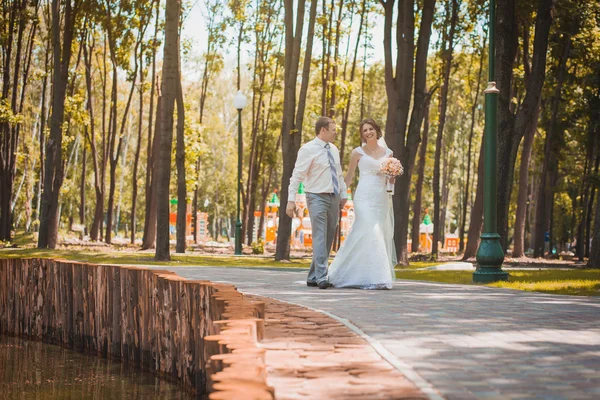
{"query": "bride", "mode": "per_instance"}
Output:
(367, 257)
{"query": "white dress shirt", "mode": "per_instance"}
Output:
(312, 168)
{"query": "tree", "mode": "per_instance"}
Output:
(152, 149)
(267, 30)
(13, 96)
(118, 23)
(438, 226)
(416, 225)
(170, 76)
(474, 106)
(399, 87)
(293, 116)
(213, 63)
(513, 125)
(180, 163)
(145, 15)
(520, 216)
(54, 167)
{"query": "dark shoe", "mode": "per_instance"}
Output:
(323, 285)
(312, 284)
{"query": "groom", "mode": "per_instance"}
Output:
(318, 166)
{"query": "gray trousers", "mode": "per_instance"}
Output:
(324, 211)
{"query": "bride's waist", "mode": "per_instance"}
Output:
(368, 178)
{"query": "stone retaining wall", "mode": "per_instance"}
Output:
(199, 333)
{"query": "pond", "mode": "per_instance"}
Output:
(33, 370)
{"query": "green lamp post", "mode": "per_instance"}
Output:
(239, 101)
(490, 255)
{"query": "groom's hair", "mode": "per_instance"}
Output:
(323, 122)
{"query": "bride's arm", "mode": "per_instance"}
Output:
(352, 167)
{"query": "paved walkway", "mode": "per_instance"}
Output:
(465, 341)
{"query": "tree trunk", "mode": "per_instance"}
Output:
(512, 127)
(467, 193)
(550, 164)
(180, 161)
(520, 217)
(138, 148)
(114, 154)
(82, 191)
(43, 119)
(170, 76)
(291, 127)
(54, 168)
(590, 204)
(9, 131)
(438, 226)
(399, 87)
(594, 261)
(261, 59)
(416, 225)
(476, 219)
(149, 238)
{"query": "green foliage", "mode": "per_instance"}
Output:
(258, 247)
(7, 115)
(570, 282)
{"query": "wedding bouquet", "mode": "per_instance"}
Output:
(391, 167)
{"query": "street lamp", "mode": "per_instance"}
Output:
(239, 102)
(490, 255)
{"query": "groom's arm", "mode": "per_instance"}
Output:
(303, 162)
(342, 181)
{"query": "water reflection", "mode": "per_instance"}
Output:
(32, 370)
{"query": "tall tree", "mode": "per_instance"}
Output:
(170, 75)
(399, 87)
(118, 23)
(266, 32)
(416, 225)
(180, 164)
(447, 52)
(522, 203)
(149, 239)
(54, 167)
(213, 63)
(293, 116)
(513, 125)
(553, 142)
(474, 107)
(18, 20)
(145, 15)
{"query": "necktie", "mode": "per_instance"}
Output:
(334, 179)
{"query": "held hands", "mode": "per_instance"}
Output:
(290, 209)
(343, 203)
(392, 179)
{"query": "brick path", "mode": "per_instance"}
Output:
(313, 356)
(466, 341)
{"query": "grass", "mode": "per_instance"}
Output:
(571, 282)
(418, 265)
(147, 258)
(129, 257)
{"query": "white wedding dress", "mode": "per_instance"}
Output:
(367, 257)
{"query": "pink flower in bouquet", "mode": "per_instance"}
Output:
(391, 167)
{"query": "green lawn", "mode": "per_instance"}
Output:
(147, 258)
(129, 257)
(572, 282)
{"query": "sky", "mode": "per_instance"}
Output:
(194, 31)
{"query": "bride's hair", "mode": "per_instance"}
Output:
(371, 122)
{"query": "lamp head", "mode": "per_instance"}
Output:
(239, 101)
